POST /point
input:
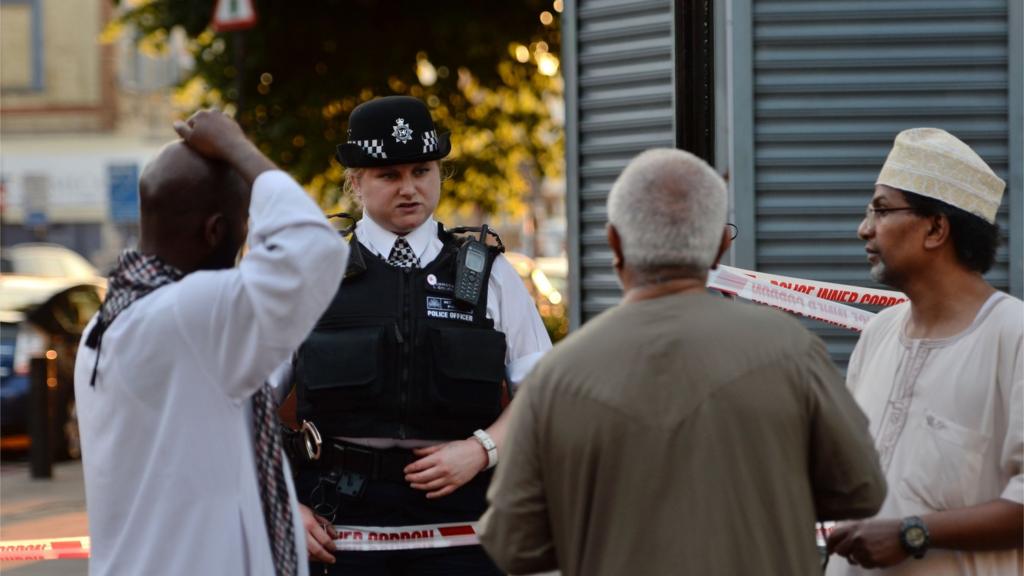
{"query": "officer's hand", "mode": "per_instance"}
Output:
(443, 468)
(320, 536)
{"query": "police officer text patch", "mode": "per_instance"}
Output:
(445, 308)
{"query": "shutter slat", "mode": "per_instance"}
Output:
(834, 82)
(625, 101)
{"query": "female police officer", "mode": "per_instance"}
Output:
(404, 373)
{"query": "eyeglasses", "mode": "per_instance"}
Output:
(734, 230)
(871, 213)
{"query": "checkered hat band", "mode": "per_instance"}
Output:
(373, 148)
(429, 141)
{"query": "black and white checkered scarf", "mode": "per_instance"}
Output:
(139, 274)
(136, 275)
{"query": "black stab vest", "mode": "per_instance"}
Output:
(396, 356)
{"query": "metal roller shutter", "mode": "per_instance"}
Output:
(833, 82)
(620, 86)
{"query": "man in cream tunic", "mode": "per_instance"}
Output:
(940, 377)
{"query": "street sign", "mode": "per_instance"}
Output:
(124, 192)
(233, 15)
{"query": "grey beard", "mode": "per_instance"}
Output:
(878, 272)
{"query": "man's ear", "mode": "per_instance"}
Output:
(615, 243)
(723, 247)
(938, 232)
(215, 229)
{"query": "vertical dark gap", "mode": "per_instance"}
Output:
(695, 78)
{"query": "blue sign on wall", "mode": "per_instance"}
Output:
(124, 192)
(35, 219)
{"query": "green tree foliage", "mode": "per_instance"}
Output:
(294, 78)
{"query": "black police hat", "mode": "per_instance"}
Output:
(392, 130)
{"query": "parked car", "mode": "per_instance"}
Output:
(47, 260)
(549, 298)
(47, 296)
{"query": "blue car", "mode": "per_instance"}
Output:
(42, 317)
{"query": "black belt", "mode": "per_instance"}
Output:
(387, 464)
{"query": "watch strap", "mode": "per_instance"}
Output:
(490, 447)
(913, 523)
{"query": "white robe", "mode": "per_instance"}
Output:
(946, 415)
(167, 443)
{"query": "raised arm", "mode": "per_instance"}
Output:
(245, 322)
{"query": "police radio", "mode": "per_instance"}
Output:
(470, 268)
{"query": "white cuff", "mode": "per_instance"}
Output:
(517, 370)
(490, 447)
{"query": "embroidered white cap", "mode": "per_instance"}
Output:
(934, 163)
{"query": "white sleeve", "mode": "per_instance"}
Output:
(510, 306)
(244, 322)
(281, 380)
(1012, 459)
(853, 368)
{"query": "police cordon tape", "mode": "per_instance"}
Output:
(794, 295)
(350, 539)
(47, 549)
(378, 538)
(822, 530)
(827, 290)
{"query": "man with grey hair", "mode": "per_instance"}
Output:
(678, 432)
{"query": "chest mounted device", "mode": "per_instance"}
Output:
(472, 263)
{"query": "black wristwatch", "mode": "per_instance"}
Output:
(914, 536)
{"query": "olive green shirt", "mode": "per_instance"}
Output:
(687, 434)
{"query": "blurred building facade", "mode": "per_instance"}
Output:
(798, 104)
(79, 118)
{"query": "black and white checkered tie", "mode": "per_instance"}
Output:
(401, 254)
(277, 511)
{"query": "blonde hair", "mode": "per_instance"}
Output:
(347, 188)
